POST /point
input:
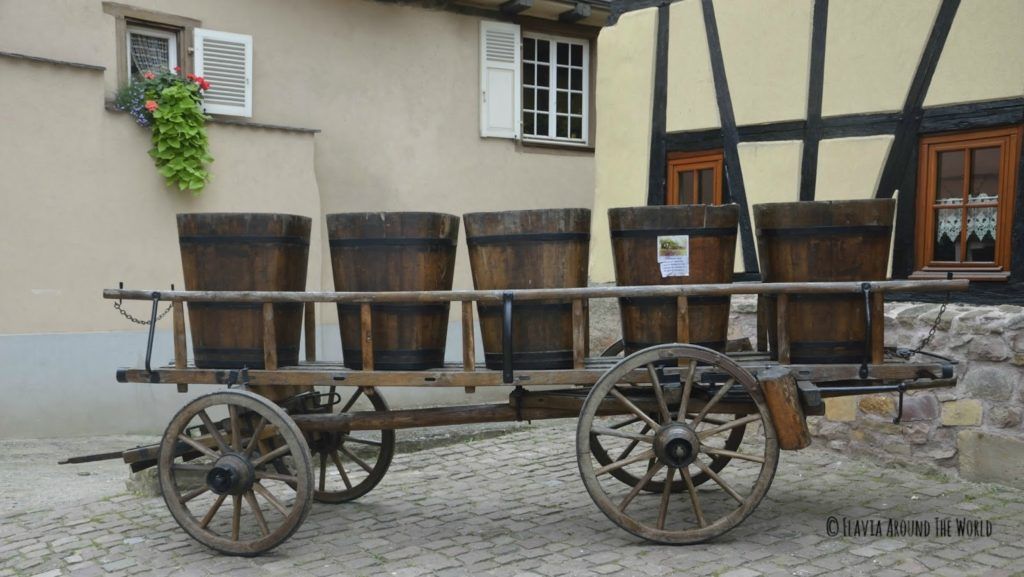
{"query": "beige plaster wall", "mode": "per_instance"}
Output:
(691, 87)
(766, 48)
(771, 173)
(626, 75)
(872, 50)
(982, 57)
(850, 168)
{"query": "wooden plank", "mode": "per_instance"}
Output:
(269, 338)
(180, 342)
(877, 328)
(309, 325)
(366, 335)
(434, 417)
(762, 323)
(682, 319)
(578, 335)
(468, 341)
(782, 332)
(783, 400)
(908, 286)
(815, 89)
(656, 172)
(586, 327)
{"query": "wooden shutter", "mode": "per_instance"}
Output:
(499, 79)
(225, 60)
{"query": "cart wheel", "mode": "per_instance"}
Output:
(204, 463)
(350, 464)
(623, 474)
(649, 413)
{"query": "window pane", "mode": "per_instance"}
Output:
(950, 177)
(984, 175)
(576, 102)
(543, 51)
(528, 124)
(686, 192)
(577, 55)
(576, 127)
(148, 53)
(981, 235)
(528, 74)
(561, 102)
(543, 78)
(529, 48)
(542, 125)
(562, 77)
(543, 97)
(563, 53)
(562, 126)
(947, 234)
(706, 182)
(577, 78)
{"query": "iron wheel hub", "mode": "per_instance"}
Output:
(676, 445)
(232, 474)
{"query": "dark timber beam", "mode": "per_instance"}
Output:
(815, 88)
(657, 167)
(515, 6)
(730, 135)
(905, 140)
(578, 12)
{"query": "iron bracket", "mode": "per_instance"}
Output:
(866, 290)
(507, 376)
(152, 331)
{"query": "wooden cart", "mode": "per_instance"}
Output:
(675, 443)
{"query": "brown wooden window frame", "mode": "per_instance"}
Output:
(1008, 140)
(126, 16)
(695, 161)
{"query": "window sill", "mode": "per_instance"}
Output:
(554, 145)
(973, 275)
(229, 121)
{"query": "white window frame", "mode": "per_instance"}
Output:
(552, 91)
(141, 30)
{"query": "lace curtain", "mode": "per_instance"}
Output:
(981, 221)
(149, 53)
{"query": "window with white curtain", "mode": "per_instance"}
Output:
(151, 50)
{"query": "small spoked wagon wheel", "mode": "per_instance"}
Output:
(350, 464)
(674, 402)
(219, 470)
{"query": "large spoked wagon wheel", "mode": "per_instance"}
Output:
(350, 464)
(732, 442)
(682, 420)
(219, 470)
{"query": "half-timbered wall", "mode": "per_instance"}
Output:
(807, 100)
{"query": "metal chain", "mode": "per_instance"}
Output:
(128, 315)
(935, 325)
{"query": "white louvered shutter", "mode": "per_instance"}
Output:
(499, 79)
(224, 59)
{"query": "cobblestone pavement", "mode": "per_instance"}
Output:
(514, 505)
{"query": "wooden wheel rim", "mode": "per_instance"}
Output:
(648, 531)
(380, 465)
(286, 429)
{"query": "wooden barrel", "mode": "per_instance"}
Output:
(394, 251)
(708, 234)
(824, 241)
(243, 252)
(529, 249)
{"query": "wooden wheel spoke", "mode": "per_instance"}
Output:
(357, 460)
(623, 434)
(250, 498)
(627, 422)
(729, 425)
(714, 400)
(192, 467)
(236, 516)
(197, 446)
(684, 399)
(256, 433)
(274, 501)
(341, 469)
(323, 471)
(357, 440)
(694, 499)
(731, 454)
(214, 432)
(352, 400)
(648, 454)
(212, 511)
(270, 476)
(193, 494)
(236, 429)
(721, 482)
(275, 454)
(666, 493)
(637, 487)
(632, 407)
(658, 393)
(632, 445)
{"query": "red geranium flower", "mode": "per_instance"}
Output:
(151, 105)
(177, 68)
(148, 75)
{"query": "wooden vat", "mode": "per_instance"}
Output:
(394, 251)
(709, 233)
(529, 249)
(824, 241)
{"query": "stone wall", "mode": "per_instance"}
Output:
(974, 430)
